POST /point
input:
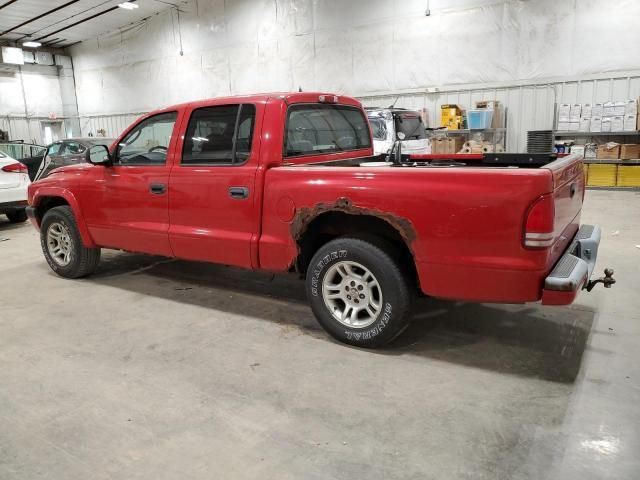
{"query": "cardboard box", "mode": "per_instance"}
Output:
(630, 123)
(451, 116)
(617, 124)
(597, 110)
(619, 108)
(454, 144)
(574, 126)
(438, 145)
(606, 124)
(596, 124)
(586, 110)
(630, 151)
(608, 109)
(631, 107)
(585, 124)
(574, 112)
(605, 153)
(563, 126)
(564, 112)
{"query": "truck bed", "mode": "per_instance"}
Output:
(466, 219)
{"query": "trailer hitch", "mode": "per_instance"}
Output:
(607, 280)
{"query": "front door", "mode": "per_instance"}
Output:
(130, 205)
(212, 202)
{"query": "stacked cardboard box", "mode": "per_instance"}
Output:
(615, 116)
(447, 145)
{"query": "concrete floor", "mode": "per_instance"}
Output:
(158, 369)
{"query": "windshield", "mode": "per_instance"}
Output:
(410, 123)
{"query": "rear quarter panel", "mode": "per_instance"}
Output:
(467, 223)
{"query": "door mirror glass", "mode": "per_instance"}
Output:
(401, 136)
(98, 155)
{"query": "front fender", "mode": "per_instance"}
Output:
(37, 196)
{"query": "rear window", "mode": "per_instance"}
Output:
(410, 123)
(320, 128)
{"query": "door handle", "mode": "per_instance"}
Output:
(157, 188)
(238, 193)
(572, 190)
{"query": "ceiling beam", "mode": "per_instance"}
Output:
(81, 21)
(40, 16)
(7, 4)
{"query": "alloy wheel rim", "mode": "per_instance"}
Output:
(59, 243)
(352, 294)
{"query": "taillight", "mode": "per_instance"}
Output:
(15, 168)
(538, 231)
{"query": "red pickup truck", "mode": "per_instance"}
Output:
(288, 182)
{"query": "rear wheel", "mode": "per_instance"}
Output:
(358, 292)
(18, 216)
(62, 245)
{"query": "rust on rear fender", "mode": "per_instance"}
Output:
(306, 215)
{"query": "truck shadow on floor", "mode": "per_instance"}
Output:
(525, 340)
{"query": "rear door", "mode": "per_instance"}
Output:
(213, 207)
(52, 159)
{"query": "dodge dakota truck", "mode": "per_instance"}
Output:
(289, 183)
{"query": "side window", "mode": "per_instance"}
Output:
(320, 128)
(219, 135)
(54, 149)
(148, 142)
(71, 148)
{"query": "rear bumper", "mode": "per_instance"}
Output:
(573, 270)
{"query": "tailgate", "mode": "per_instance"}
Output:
(568, 193)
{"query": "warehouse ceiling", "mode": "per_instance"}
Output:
(60, 23)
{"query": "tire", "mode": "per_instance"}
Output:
(19, 216)
(338, 270)
(59, 229)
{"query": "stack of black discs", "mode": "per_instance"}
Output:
(540, 141)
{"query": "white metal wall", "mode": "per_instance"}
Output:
(529, 106)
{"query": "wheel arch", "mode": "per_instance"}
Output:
(43, 201)
(375, 229)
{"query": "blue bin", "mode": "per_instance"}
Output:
(478, 119)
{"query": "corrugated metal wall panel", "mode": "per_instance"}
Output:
(529, 107)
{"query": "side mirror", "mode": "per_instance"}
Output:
(401, 136)
(98, 155)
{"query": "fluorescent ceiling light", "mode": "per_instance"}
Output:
(128, 5)
(32, 44)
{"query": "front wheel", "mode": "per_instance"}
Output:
(358, 292)
(62, 245)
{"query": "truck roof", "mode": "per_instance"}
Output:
(288, 97)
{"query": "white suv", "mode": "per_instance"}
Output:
(14, 180)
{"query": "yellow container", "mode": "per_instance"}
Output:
(450, 116)
(629, 176)
(602, 175)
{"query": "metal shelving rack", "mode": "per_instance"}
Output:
(498, 135)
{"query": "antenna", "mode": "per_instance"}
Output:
(394, 102)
